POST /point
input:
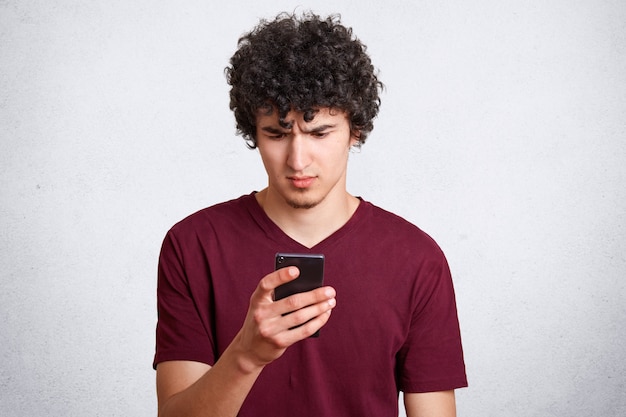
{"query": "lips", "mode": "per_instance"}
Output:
(302, 182)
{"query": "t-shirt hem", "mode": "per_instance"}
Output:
(181, 356)
(434, 386)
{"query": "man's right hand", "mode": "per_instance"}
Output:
(193, 388)
(268, 330)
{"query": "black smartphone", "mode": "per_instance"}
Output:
(311, 276)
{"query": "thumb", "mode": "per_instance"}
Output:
(268, 284)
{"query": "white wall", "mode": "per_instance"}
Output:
(502, 133)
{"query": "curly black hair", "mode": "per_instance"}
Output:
(303, 64)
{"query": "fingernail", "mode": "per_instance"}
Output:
(332, 302)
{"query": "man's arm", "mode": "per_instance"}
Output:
(186, 388)
(430, 404)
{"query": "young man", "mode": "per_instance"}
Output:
(304, 92)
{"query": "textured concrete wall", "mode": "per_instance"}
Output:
(502, 133)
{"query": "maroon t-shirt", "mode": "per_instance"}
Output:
(395, 326)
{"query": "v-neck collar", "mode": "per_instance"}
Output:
(281, 238)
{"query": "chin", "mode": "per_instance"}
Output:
(302, 202)
(303, 205)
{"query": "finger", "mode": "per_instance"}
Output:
(306, 314)
(266, 286)
(305, 330)
(300, 300)
(283, 315)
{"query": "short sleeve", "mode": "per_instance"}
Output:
(182, 331)
(432, 357)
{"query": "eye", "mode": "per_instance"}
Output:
(277, 136)
(319, 135)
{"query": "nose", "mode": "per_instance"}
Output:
(299, 156)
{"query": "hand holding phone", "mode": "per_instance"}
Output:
(311, 267)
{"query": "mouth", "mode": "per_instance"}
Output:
(301, 182)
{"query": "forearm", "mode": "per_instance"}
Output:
(220, 392)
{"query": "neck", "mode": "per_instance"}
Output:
(309, 226)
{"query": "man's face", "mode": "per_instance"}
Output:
(305, 163)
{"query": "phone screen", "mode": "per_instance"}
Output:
(311, 273)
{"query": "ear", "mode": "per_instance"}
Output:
(355, 137)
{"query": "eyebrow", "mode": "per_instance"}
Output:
(320, 128)
(317, 129)
(273, 130)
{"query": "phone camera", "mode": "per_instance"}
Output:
(281, 259)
